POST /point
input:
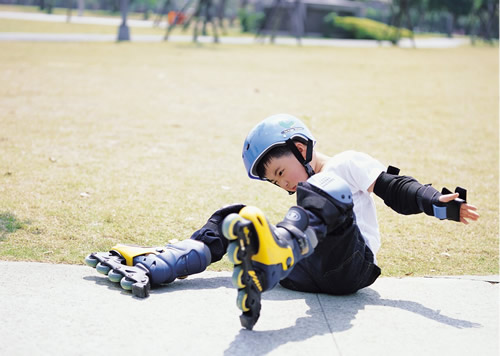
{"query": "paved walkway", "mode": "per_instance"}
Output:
(81, 37)
(72, 310)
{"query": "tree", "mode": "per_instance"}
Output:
(483, 20)
(400, 10)
(455, 8)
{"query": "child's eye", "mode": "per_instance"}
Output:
(272, 181)
(280, 173)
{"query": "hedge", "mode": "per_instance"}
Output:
(363, 28)
(250, 21)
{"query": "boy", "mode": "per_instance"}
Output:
(325, 244)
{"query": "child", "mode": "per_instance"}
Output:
(325, 244)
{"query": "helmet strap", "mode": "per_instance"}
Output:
(298, 155)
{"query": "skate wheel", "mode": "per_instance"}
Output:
(232, 253)
(126, 283)
(228, 226)
(238, 277)
(241, 301)
(91, 261)
(102, 268)
(114, 277)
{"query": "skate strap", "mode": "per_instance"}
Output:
(297, 234)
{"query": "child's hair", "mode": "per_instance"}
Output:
(276, 152)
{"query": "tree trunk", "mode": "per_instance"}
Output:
(81, 7)
(68, 11)
(123, 31)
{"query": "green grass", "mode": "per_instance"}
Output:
(152, 135)
(9, 224)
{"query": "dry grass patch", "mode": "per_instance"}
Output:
(139, 143)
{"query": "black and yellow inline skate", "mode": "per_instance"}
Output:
(137, 268)
(264, 254)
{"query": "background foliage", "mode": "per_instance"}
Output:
(363, 28)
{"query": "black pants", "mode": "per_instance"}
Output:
(342, 263)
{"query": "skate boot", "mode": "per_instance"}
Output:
(138, 268)
(264, 254)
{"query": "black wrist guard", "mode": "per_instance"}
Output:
(450, 210)
(406, 195)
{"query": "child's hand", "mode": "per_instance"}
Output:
(467, 211)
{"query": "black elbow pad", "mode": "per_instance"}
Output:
(406, 195)
(401, 193)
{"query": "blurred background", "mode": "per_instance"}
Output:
(383, 20)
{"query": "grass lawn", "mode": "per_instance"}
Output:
(7, 25)
(29, 26)
(140, 143)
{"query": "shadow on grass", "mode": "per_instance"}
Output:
(9, 223)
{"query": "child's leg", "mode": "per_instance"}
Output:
(336, 267)
(342, 263)
(137, 268)
(264, 254)
(211, 233)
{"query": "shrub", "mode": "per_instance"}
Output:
(363, 28)
(250, 21)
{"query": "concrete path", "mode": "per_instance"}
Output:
(81, 37)
(72, 310)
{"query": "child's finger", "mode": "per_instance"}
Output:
(448, 197)
(470, 207)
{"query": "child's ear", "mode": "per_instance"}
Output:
(302, 148)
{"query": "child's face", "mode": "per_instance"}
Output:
(286, 172)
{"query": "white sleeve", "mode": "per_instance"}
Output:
(359, 169)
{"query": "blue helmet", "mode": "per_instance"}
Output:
(274, 131)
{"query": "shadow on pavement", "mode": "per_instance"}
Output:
(345, 307)
(317, 322)
(190, 283)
